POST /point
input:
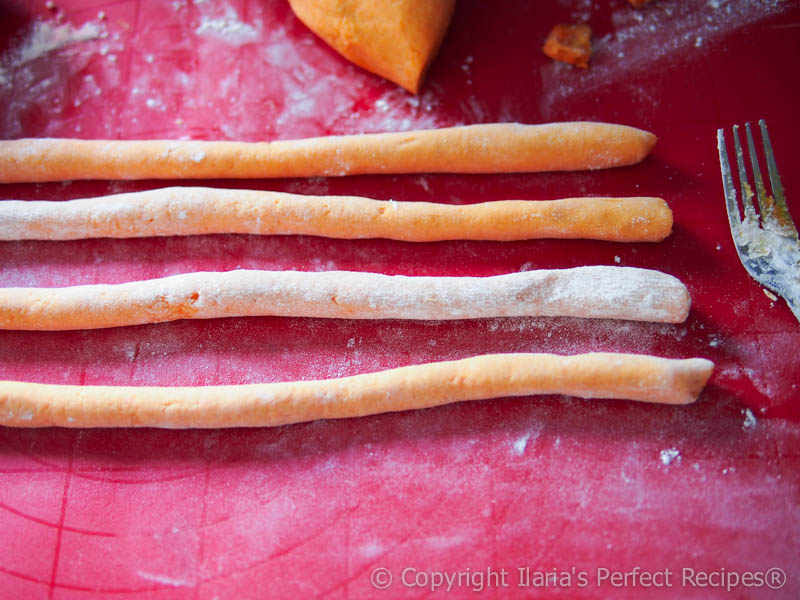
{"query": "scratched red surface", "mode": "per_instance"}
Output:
(550, 484)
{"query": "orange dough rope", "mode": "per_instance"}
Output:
(589, 292)
(491, 148)
(194, 211)
(596, 375)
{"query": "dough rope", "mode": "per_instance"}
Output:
(596, 375)
(589, 292)
(488, 148)
(199, 210)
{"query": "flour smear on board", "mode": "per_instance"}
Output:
(662, 36)
(253, 77)
(228, 28)
(44, 73)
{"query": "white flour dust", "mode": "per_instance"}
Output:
(521, 443)
(228, 28)
(660, 37)
(669, 456)
(46, 72)
(47, 37)
(749, 419)
(107, 79)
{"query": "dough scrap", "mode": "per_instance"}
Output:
(196, 211)
(570, 44)
(489, 148)
(396, 39)
(596, 375)
(587, 292)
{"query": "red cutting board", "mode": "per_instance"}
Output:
(579, 489)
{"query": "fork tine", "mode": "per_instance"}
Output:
(770, 254)
(747, 191)
(766, 204)
(734, 217)
(782, 217)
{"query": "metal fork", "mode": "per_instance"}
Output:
(767, 241)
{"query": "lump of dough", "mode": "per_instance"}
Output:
(396, 39)
(570, 44)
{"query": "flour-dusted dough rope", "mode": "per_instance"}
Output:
(592, 292)
(490, 148)
(197, 210)
(597, 375)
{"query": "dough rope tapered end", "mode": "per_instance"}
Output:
(597, 375)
